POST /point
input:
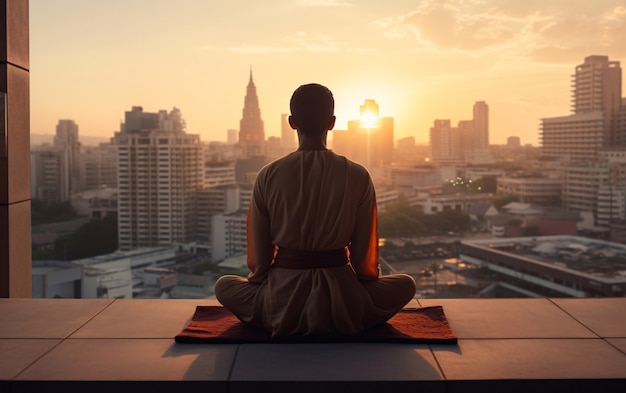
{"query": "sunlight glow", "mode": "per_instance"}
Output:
(369, 120)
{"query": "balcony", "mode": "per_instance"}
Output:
(513, 345)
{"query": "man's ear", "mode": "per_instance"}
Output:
(292, 123)
(332, 123)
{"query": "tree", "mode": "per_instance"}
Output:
(499, 201)
(398, 224)
(96, 237)
(487, 184)
(47, 212)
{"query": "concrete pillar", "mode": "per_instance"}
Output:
(15, 230)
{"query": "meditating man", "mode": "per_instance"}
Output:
(313, 240)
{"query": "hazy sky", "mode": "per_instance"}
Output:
(92, 60)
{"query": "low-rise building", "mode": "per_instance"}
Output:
(552, 266)
(531, 189)
(462, 202)
(228, 235)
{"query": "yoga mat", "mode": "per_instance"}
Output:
(215, 324)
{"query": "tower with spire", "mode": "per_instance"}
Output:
(251, 130)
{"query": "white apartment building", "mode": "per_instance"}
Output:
(219, 200)
(228, 235)
(115, 275)
(573, 138)
(597, 87)
(611, 204)
(598, 187)
(160, 170)
(66, 142)
(581, 184)
(531, 189)
(56, 279)
(614, 154)
(49, 175)
(219, 173)
(597, 111)
(386, 198)
(417, 178)
(461, 202)
(446, 143)
(98, 166)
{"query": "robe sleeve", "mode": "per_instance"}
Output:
(364, 242)
(260, 247)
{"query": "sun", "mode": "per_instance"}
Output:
(369, 120)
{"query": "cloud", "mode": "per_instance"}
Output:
(451, 24)
(541, 30)
(571, 36)
(261, 50)
(301, 42)
(313, 43)
(325, 3)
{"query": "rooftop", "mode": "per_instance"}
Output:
(504, 344)
(596, 259)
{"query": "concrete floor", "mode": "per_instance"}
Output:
(127, 345)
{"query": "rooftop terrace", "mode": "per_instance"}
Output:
(505, 344)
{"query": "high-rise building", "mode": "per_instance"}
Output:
(228, 235)
(288, 136)
(220, 200)
(573, 138)
(219, 173)
(369, 140)
(66, 141)
(597, 87)
(231, 136)
(466, 143)
(597, 116)
(49, 175)
(99, 166)
(446, 143)
(251, 129)
(581, 184)
(481, 125)
(160, 170)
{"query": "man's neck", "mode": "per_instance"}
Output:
(312, 143)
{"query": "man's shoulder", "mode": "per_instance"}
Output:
(275, 165)
(331, 157)
(353, 165)
(277, 162)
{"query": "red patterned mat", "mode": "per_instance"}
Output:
(215, 324)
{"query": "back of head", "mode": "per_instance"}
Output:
(312, 108)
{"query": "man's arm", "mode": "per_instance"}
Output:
(260, 247)
(364, 243)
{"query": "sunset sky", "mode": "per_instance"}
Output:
(92, 60)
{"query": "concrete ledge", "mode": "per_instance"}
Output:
(513, 345)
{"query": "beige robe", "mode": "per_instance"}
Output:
(314, 200)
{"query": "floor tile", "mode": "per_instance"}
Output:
(17, 354)
(619, 343)
(605, 316)
(531, 359)
(132, 360)
(412, 304)
(508, 318)
(334, 362)
(46, 318)
(142, 318)
(358, 386)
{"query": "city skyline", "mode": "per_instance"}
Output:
(90, 62)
